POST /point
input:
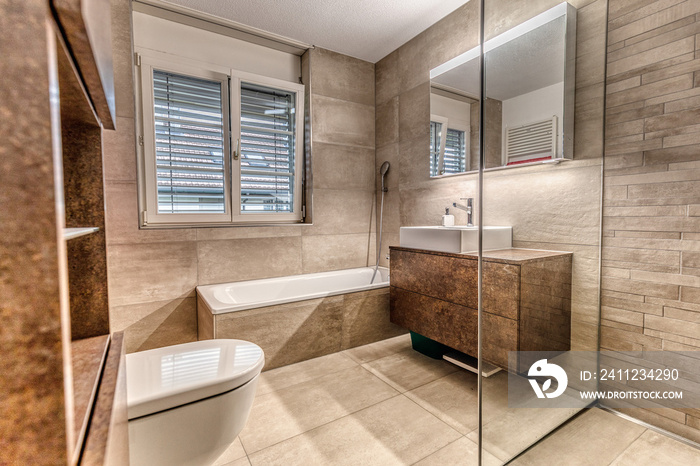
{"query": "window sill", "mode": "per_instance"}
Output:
(175, 226)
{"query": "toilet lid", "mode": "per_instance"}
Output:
(165, 378)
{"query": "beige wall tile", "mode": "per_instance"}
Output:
(366, 318)
(123, 60)
(155, 324)
(241, 232)
(322, 253)
(122, 219)
(342, 122)
(339, 166)
(414, 112)
(288, 333)
(387, 77)
(247, 259)
(339, 211)
(413, 62)
(342, 77)
(140, 273)
(119, 151)
(387, 122)
(414, 161)
(449, 37)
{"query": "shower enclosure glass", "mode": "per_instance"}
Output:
(541, 175)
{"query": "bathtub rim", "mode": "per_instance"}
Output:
(216, 307)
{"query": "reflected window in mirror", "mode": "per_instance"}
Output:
(448, 153)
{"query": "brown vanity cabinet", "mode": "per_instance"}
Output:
(526, 299)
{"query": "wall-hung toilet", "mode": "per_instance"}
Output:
(187, 403)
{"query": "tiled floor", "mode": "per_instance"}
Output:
(385, 404)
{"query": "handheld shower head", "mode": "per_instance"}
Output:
(382, 171)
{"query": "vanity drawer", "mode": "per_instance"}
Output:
(448, 323)
(454, 325)
(454, 279)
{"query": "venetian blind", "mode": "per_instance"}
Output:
(267, 149)
(189, 139)
(454, 158)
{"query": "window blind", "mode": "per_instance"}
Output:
(267, 149)
(189, 139)
(454, 158)
(435, 130)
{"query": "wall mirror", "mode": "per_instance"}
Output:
(529, 77)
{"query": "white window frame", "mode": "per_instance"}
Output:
(231, 81)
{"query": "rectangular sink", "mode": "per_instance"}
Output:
(455, 239)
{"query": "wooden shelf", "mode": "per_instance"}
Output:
(70, 233)
(88, 359)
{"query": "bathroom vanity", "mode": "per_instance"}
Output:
(526, 300)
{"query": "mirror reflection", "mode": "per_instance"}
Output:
(529, 98)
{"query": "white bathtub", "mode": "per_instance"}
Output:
(238, 296)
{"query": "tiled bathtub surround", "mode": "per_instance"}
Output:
(294, 332)
(651, 224)
(153, 273)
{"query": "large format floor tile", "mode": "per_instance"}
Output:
(282, 414)
(652, 449)
(593, 438)
(409, 369)
(452, 399)
(461, 452)
(394, 432)
(286, 376)
(385, 404)
(234, 452)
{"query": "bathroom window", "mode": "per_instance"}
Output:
(219, 146)
(447, 148)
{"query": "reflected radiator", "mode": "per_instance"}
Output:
(531, 142)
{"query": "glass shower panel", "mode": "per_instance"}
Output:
(540, 298)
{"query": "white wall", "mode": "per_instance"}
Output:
(534, 106)
(161, 35)
(456, 111)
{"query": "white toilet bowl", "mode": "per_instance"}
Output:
(187, 403)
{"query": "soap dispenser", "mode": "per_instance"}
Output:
(447, 219)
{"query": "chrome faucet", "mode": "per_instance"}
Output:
(468, 208)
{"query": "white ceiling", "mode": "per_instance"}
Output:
(366, 29)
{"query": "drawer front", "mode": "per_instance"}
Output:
(455, 279)
(454, 325)
(448, 323)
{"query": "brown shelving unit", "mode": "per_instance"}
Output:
(63, 385)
